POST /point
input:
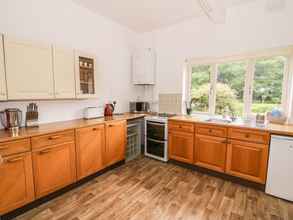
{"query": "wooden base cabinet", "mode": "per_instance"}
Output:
(181, 146)
(16, 182)
(54, 168)
(115, 142)
(90, 145)
(247, 160)
(210, 152)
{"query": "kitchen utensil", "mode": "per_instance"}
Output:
(109, 109)
(32, 115)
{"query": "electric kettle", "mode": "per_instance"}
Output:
(11, 118)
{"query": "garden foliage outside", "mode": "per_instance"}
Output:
(267, 86)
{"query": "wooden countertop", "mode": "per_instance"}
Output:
(6, 135)
(272, 128)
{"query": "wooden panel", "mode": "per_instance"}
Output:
(29, 70)
(90, 145)
(180, 126)
(210, 152)
(181, 146)
(115, 142)
(64, 75)
(211, 130)
(249, 135)
(3, 93)
(16, 182)
(51, 139)
(13, 147)
(247, 160)
(54, 168)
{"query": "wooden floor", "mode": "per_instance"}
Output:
(149, 189)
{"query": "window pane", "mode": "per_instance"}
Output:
(267, 84)
(230, 87)
(200, 87)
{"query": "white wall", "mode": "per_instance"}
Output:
(248, 27)
(67, 24)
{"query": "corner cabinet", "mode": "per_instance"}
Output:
(3, 90)
(85, 75)
(64, 78)
(115, 142)
(29, 70)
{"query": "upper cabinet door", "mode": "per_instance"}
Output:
(64, 76)
(3, 93)
(29, 70)
(85, 70)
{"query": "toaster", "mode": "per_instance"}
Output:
(93, 112)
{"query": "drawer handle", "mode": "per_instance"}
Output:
(3, 147)
(45, 151)
(94, 129)
(210, 130)
(180, 126)
(247, 135)
(54, 137)
(224, 142)
(13, 160)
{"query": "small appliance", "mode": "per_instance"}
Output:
(139, 106)
(93, 112)
(11, 118)
(109, 109)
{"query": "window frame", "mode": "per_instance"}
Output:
(250, 59)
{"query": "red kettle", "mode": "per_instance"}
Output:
(109, 109)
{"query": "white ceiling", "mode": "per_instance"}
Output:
(147, 15)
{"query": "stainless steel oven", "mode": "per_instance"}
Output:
(156, 138)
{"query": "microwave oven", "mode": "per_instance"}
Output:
(139, 106)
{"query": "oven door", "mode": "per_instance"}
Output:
(155, 130)
(155, 148)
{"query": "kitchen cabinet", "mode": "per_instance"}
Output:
(85, 75)
(64, 75)
(29, 70)
(247, 160)
(54, 163)
(90, 145)
(3, 91)
(181, 146)
(16, 175)
(210, 152)
(115, 142)
(144, 67)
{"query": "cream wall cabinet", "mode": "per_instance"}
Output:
(3, 91)
(85, 75)
(29, 70)
(64, 77)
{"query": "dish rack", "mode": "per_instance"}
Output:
(133, 149)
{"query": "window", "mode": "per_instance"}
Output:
(267, 84)
(201, 76)
(230, 87)
(244, 86)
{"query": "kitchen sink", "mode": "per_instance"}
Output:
(218, 120)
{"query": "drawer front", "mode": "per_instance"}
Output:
(52, 139)
(211, 130)
(13, 147)
(181, 126)
(249, 135)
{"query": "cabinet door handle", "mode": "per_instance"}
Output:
(45, 151)
(224, 142)
(13, 160)
(3, 147)
(54, 137)
(94, 129)
(210, 130)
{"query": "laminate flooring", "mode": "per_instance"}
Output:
(149, 189)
